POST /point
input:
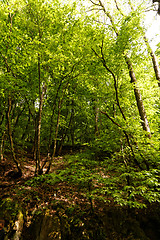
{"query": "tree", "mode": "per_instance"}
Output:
(158, 5)
(44, 61)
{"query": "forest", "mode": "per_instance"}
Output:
(79, 120)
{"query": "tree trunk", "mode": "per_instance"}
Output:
(96, 109)
(2, 144)
(154, 61)
(72, 124)
(55, 138)
(10, 136)
(64, 134)
(38, 132)
(26, 127)
(51, 124)
(138, 97)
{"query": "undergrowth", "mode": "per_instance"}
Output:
(108, 180)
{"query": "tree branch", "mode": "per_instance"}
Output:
(117, 124)
(114, 78)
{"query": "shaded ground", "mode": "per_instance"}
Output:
(33, 195)
(86, 218)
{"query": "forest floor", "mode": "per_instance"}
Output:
(25, 189)
(44, 192)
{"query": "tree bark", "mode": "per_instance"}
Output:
(2, 144)
(154, 61)
(10, 136)
(138, 97)
(55, 138)
(72, 124)
(38, 132)
(51, 124)
(64, 134)
(96, 118)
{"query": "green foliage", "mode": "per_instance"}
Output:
(109, 180)
(9, 209)
(89, 98)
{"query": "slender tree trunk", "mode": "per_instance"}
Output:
(26, 127)
(35, 145)
(96, 109)
(2, 144)
(17, 120)
(55, 138)
(138, 96)
(38, 119)
(72, 124)
(59, 151)
(56, 133)
(64, 136)
(51, 123)
(10, 136)
(155, 66)
(3, 137)
(2, 118)
(154, 61)
(38, 132)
